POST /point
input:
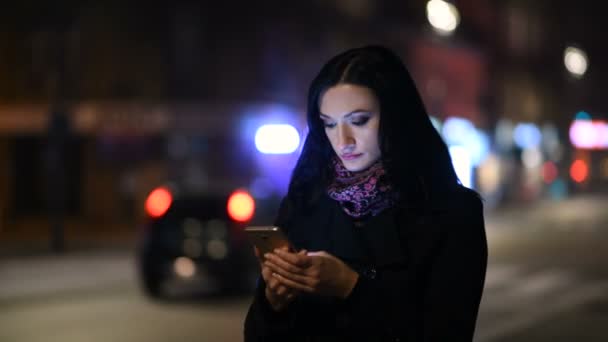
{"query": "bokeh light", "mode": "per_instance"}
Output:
(531, 158)
(579, 171)
(488, 174)
(576, 61)
(461, 132)
(558, 189)
(455, 130)
(582, 115)
(184, 267)
(158, 202)
(527, 135)
(589, 134)
(241, 206)
(549, 172)
(443, 16)
(277, 139)
(217, 249)
(461, 159)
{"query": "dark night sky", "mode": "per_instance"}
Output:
(142, 35)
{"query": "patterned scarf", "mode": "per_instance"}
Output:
(361, 193)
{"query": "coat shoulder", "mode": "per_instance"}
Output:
(460, 200)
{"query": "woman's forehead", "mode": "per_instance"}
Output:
(344, 99)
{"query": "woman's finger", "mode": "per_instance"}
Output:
(266, 273)
(297, 259)
(293, 276)
(292, 284)
(273, 283)
(281, 291)
(278, 261)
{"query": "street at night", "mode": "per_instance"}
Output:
(144, 149)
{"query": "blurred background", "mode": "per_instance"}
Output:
(138, 140)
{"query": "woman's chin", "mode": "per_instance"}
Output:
(356, 165)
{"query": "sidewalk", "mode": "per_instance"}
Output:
(96, 256)
(567, 214)
(49, 274)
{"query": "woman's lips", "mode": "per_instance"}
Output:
(351, 156)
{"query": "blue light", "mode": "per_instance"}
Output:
(461, 132)
(277, 139)
(455, 129)
(527, 135)
(582, 115)
(261, 187)
(479, 146)
(558, 189)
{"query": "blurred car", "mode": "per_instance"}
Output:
(226, 168)
(195, 244)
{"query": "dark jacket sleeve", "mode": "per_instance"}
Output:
(263, 323)
(457, 275)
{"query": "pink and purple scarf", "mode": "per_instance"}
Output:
(363, 193)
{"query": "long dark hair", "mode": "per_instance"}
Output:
(415, 157)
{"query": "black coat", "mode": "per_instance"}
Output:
(421, 275)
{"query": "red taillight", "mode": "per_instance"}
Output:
(579, 171)
(241, 206)
(158, 202)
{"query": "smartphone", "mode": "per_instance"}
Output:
(268, 238)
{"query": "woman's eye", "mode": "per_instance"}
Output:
(360, 122)
(329, 125)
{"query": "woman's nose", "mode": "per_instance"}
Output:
(346, 140)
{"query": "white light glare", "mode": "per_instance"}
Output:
(277, 139)
(532, 158)
(587, 134)
(443, 16)
(461, 159)
(575, 60)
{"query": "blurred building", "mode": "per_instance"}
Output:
(136, 80)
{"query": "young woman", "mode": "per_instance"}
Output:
(391, 246)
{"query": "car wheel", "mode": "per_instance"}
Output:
(152, 285)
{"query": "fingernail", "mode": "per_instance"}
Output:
(267, 255)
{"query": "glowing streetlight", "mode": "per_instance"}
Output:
(443, 16)
(576, 61)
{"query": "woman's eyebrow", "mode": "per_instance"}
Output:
(347, 115)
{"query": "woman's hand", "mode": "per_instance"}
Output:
(277, 294)
(315, 272)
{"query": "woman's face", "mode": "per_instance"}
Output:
(351, 116)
